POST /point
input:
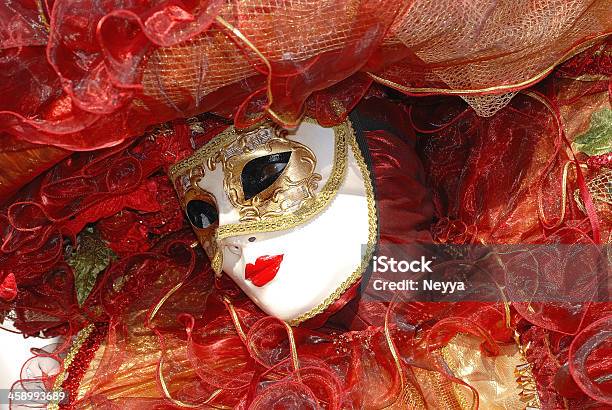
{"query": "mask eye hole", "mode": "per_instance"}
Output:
(260, 173)
(201, 214)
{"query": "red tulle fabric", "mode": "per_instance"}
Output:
(87, 75)
(448, 176)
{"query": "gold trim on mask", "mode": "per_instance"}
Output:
(206, 236)
(234, 149)
(310, 207)
(372, 234)
(297, 182)
(231, 143)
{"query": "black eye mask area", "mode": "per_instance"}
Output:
(260, 173)
(201, 214)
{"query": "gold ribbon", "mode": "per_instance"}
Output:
(393, 350)
(541, 215)
(160, 374)
(177, 402)
(292, 348)
(235, 319)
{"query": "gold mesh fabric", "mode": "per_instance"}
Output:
(600, 188)
(481, 46)
(488, 105)
(471, 48)
(504, 42)
(198, 67)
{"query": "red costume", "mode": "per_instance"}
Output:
(102, 98)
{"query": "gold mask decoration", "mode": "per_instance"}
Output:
(268, 178)
(295, 180)
(199, 203)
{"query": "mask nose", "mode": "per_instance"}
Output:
(237, 245)
(234, 245)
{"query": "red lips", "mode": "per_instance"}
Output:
(264, 270)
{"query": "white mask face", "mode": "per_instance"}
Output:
(288, 217)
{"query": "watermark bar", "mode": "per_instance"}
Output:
(31, 398)
(552, 273)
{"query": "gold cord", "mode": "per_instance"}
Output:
(492, 90)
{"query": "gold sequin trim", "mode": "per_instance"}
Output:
(523, 376)
(74, 350)
(525, 379)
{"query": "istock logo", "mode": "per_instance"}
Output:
(384, 264)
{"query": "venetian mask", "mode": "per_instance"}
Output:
(289, 216)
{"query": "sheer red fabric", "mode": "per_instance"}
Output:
(452, 176)
(88, 75)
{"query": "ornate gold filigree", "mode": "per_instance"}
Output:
(206, 236)
(296, 184)
(291, 202)
(310, 207)
(233, 150)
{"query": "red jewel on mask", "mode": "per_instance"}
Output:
(264, 270)
(8, 288)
